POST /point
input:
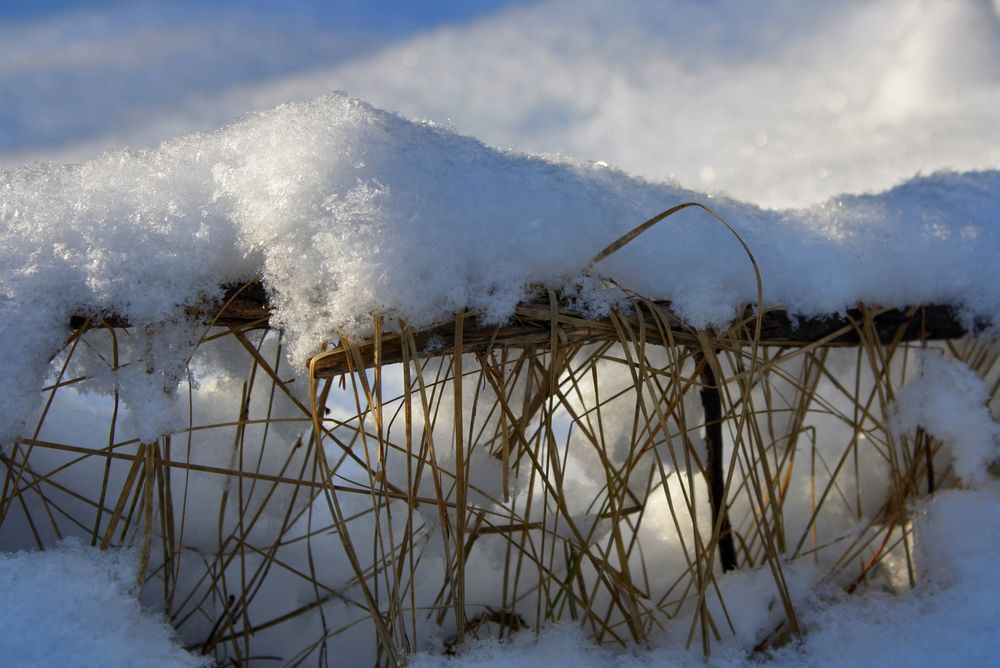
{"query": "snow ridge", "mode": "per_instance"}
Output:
(345, 210)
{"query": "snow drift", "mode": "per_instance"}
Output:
(345, 210)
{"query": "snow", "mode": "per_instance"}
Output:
(50, 599)
(346, 210)
(780, 103)
(952, 619)
(75, 606)
(60, 68)
(857, 142)
(949, 401)
(783, 103)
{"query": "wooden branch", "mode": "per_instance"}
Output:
(248, 307)
(242, 306)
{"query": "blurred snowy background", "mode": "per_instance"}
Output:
(783, 102)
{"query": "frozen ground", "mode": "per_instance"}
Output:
(846, 111)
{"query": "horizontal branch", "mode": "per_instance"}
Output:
(248, 307)
(245, 306)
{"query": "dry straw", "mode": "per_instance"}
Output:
(452, 485)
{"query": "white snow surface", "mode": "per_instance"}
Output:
(75, 606)
(50, 600)
(346, 210)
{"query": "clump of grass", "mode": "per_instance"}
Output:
(558, 468)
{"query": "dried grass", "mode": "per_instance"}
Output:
(401, 482)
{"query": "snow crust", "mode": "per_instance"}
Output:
(74, 606)
(346, 210)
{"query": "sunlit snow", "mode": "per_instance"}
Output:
(853, 145)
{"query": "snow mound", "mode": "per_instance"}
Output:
(345, 210)
(72, 606)
(950, 401)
